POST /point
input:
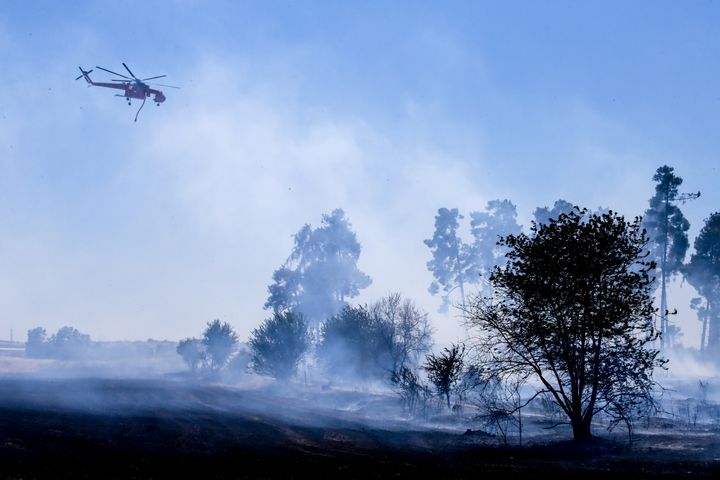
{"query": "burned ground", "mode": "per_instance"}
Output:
(158, 428)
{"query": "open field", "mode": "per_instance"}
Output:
(158, 428)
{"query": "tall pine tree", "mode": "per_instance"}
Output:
(667, 230)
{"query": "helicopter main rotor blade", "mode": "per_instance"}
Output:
(153, 78)
(114, 73)
(161, 85)
(131, 74)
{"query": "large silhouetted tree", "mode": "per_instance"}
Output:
(667, 229)
(278, 344)
(321, 272)
(703, 273)
(572, 311)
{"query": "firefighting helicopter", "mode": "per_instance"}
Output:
(133, 87)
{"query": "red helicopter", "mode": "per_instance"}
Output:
(134, 87)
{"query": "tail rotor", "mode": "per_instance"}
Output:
(84, 73)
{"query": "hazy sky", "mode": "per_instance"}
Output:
(288, 110)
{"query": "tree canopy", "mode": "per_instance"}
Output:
(453, 263)
(456, 264)
(572, 311)
(321, 272)
(375, 341)
(544, 214)
(278, 344)
(219, 340)
(703, 273)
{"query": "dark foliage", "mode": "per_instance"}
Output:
(572, 310)
(445, 370)
(278, 344)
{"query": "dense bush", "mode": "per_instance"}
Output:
(219, 340)
(278, 344)
(374, 342)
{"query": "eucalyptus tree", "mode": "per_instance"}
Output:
(321, 272)
(454, 263)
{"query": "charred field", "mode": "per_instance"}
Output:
(170, 428)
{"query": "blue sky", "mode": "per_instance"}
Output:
(287, 110)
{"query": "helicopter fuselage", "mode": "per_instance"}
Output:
(131, 89)
(136, 90)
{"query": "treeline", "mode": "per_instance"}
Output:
(68, 343)
(366, 343)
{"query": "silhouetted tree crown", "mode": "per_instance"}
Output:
(321, 272)
(445, 369)
(544, 214)
(498, 220)
(703, 273)
(572, 310)
(453, 264)
(278, 344)
(456, 264)
(375, 341)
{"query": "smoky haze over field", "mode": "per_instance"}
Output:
(149, 230)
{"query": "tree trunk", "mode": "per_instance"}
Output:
(705, 318)
(581, 430)
(663, 267)
(713, 334)
(664, 338)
